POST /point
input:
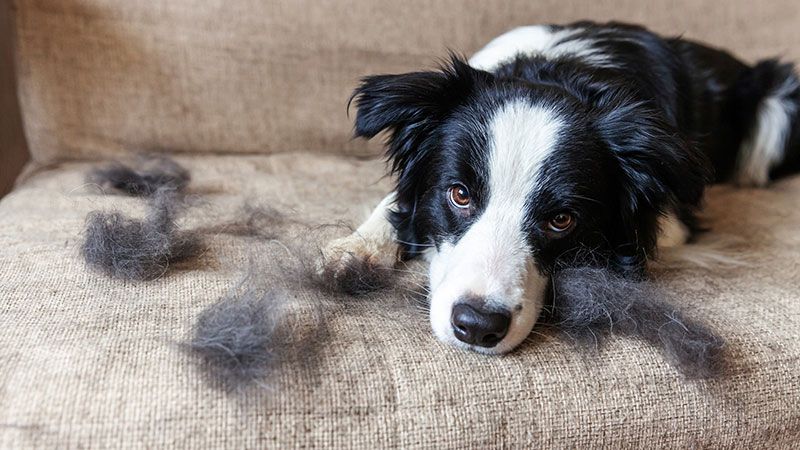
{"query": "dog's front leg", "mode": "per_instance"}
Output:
(373, 244)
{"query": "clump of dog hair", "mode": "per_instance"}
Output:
(591, 301)
(352, 276)
(134, 249)
(255, 221)
(250, 331)
(155, 173)
(238, 337)
(355, 276)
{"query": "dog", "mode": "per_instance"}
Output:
(556, 146)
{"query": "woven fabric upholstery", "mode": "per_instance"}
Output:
(87, 361)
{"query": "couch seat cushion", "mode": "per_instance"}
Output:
(90, 361)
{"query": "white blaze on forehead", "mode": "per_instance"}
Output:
(540, 40)
(522, 136)
(493, 260)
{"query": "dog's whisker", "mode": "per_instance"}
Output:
(415, 244)
(421, 287)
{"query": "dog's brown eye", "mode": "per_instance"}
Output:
(561, 222)
(459, 196)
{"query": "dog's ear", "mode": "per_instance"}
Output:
(659, 170)
(410, 106)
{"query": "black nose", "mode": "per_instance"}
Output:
(475, 325)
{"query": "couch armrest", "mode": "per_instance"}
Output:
(13, 149)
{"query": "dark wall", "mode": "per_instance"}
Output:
(13, 151)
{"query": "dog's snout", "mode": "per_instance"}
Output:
(476, 325)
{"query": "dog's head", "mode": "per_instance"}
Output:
(508, 179)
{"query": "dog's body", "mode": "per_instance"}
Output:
(558, 146)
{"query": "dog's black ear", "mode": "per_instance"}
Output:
(410, 106)
(659, 171)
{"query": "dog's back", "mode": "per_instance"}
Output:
(743, 118)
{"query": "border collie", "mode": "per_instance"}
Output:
(555, 146)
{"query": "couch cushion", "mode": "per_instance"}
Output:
(90, 361)
(100, 77)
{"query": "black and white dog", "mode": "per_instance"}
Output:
(559, 145)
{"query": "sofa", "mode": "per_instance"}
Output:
(251, 96)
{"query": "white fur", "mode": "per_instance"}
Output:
(373, 241)
(378, 225)
(765, 146)
(492, 260)
(672, 232)
(537, 40)
(713, 252)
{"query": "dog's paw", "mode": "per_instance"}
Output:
(356, 265)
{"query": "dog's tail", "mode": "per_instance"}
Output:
(767, 98)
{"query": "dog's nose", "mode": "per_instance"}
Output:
(476, 325)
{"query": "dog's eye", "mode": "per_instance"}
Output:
(561, 222)
(459, 196)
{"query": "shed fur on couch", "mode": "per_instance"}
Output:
(251, 96)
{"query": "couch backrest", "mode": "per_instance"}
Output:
(102, 77)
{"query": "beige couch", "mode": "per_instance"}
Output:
(251, 95)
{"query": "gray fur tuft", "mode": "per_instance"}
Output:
(133, 249)
(239, 337)
(591, 301)
(156, 173)
(252, 330)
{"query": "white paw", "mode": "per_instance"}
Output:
(356, 264)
